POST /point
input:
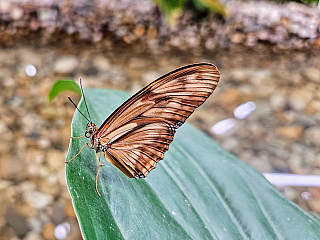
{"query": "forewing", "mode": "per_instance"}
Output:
(141, 129)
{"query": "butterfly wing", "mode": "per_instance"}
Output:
(139, 132)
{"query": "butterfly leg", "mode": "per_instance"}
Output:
(100, 165)
(78, 137)
(78, 152)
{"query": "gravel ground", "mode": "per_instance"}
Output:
(281, 135)
(286, 26)
(256, 52)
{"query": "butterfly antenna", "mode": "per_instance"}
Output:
(78, 108)
(85, 101)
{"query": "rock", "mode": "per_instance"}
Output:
(315, 192)
(139, 30)
(237, 38)
(69, 210)
(37, 199)
(36, 223)
(50, 112)
(28, 56)
(263, 109)
(266, 88)
(313, 74)
(314, 204)
(296, 164)
(8, 233)
(27, 186)
(293, 133)
(58, 212)
(277, 101)
(34, 155)
(17, 221)
(306, 121)
(11, 168)
(230, 98)
(101, 63)
(48, 231)
(299, 98)
(50, 185)
(290, 193)
(55, 159)
(313, 107)
(149, 76)
(261, 163)
(312, 136)
(66, 65)
(4, 184)
(239, 74)
(32, 235)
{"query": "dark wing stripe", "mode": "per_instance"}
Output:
(183, 87)
(122, 159)
(145, 164)
(157, 143)
(155, 151)
(131, 162)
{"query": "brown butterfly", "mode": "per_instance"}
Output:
(136, 135)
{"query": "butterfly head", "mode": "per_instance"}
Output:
(91, 129)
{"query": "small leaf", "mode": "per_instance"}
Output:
(213, 5)
(198, 191)
(170, 9)
(63, 85)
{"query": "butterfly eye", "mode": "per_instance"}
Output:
(87, 134)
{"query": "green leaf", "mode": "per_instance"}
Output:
(198, 191)
(63, 85)
(213, 5)
(170, 9)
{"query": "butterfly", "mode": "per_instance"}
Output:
(135, 137)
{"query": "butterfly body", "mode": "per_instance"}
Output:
(137, 134)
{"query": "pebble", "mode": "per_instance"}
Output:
(55, 159)
(261, 164)
(66, 65)
(58, 213)
(11, 168)
(299, 98)
(315, 192)
(32, 235)
(313, 74)
(230, 98)
(315, 205)
(49, 185)
(277, 101)
(38, 199)
(101, 63)
(17, 222)
(69, 210)
(48, 231)
(149, 76)
(312, 136)
(293, 133)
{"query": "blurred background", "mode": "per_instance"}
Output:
(265, 110)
